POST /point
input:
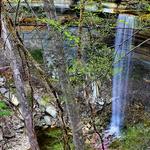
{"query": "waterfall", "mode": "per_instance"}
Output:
(123, 41)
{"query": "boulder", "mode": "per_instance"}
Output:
(2, 81)
(19, 126)
(51, 110)
(101, 103)
(14, 100)
(108, 101)
(47, 120)
(43, 100)
(8, 95)
(36, 96)
(3, 90)
(8, 132)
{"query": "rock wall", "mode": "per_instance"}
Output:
(140, 84)
(12, 130)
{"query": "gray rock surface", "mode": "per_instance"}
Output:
(13, 136)
(8, 95)
(14, 100)
(2, 81)
(1, 134)
(51, 110)
(8, 132)
(48, 120)
(3, 90)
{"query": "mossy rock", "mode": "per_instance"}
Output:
(52, 139)
(134, 138)
(115, 144)
(37, 54)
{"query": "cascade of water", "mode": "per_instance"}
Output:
(123, 41)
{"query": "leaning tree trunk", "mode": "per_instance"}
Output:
(71, 103)
(19, 84)
(49, 8)
(60, 64)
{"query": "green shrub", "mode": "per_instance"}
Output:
(4, 111)
(134, 138)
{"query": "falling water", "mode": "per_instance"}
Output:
(123, 41)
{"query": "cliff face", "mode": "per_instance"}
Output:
(141, 43)
(143, 51)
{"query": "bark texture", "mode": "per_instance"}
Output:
(58, 59)
(11, 47)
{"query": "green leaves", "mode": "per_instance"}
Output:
(68, 35)
(134, 138)
(56, 25)
(77, 71)
(2, 105)
(53, 23)
(37, 55)
(122, 21)
(4, 111)
(97, 67)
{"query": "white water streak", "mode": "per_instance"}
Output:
(121, 70)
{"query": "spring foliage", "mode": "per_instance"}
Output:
(4, 110)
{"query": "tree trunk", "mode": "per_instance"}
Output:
(60, 65)
(19, 84)
(48, 44)
(72, 106)
(80, 30)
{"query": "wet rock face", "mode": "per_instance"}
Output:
(139, 85)
(138, 93)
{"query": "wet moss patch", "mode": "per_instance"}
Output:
(37, 55)
(52, 139)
